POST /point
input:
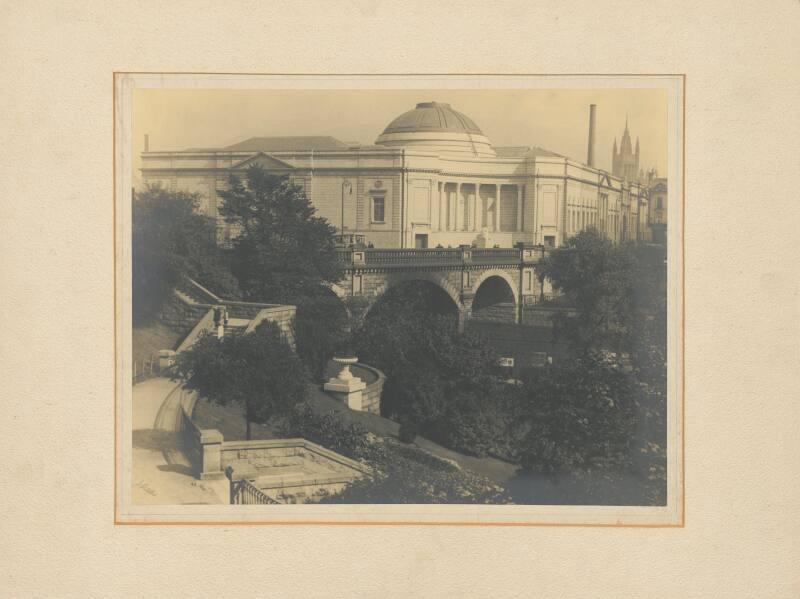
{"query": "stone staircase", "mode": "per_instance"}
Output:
(235, 327)
(193, 306)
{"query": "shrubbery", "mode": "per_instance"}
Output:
(580, 416)
(440, 383)
(399, 474)
(349, 439)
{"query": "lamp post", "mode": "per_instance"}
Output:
(345, 183)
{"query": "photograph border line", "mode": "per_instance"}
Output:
(682, 329)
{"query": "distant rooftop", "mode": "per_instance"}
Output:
(284, 144)
(522, 151)
(322, 143)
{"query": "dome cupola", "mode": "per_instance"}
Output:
(436, 127)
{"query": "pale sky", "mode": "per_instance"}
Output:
(555, 120)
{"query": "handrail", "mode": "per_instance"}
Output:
(262, 315)
(244, 492)
(203, 291)
(148, 369)
(204, 324)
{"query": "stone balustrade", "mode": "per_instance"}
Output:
(405, 257)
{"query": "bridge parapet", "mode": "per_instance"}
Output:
(459, 272)
(388, 258)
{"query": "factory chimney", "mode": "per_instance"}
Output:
(592, 131)
(146, 142)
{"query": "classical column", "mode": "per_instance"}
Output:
(459, 222)
(441, 193)
(474, 212)
(496, 207)
(453, 201)
(519, 207)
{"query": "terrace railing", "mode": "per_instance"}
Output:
(243, 492)
(382, 258)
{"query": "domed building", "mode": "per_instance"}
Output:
(438, 128)
(432, 178)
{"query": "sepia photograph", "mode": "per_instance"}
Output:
(427, 300)
(417, 300)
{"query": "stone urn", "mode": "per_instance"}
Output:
(346, 362)
(345, 387)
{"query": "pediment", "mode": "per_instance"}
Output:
(265, 161)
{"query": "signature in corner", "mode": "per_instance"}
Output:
(145, 487)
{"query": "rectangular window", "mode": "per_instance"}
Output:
(378, 209)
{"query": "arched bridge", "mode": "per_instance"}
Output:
(483, 283)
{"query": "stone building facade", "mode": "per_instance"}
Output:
(658, 209)
(431, 179)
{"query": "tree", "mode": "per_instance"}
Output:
(258, 371)
(580, 415)
(171, 240)
(284, 252)
(619, 294)
(320, 328)
(594, 275)
(440, 383)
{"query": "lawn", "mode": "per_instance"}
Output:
(148, 339)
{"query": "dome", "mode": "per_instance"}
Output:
(437, 127)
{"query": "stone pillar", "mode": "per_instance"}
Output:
(166, 358)
(345, 387)
(496, 207)
(459, 213)
(452, 207)
(519, 207)
(211, 454)
(441, 211)
(474, 211)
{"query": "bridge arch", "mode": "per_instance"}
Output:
(396, 279)
(445, 288)
(496, 296)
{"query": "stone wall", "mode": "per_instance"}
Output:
(186, 307)
(179, 315)
(283, 316)
(504, 312)
(289, 470)
(538, 315)
(525, 343)
(371, 396)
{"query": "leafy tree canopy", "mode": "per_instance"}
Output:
(612, 288)
(257, 371)
(579, 415)
(439, 382)
(284, 252)
(171, 240)
(321, 326)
